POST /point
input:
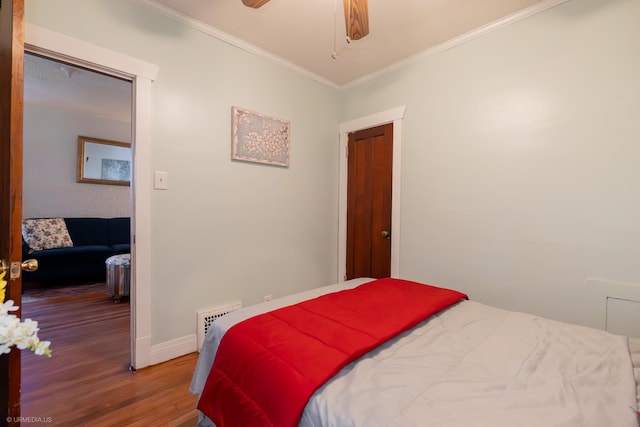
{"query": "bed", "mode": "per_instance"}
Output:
(469, 364)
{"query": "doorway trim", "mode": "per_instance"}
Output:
(395, 116)
(60, 46)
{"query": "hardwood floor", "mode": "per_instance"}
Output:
(87, 381)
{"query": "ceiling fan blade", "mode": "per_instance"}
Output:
(254, 3)
(356, 17)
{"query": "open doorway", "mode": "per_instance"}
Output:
(62, 102)
(68, 49)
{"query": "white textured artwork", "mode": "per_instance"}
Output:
(116, 170)
(259, 138)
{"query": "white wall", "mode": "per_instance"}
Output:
(224, 230)
(49, 165)
(520, 158)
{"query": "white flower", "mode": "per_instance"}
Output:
(22, 334)
(6, 307)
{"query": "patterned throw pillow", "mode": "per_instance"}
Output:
(46, 233)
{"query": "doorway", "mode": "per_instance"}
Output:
(63, 101)
(395, 116)
(59, 46)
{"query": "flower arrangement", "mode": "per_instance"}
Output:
(14, 332)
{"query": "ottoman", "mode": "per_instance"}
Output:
(118, 276)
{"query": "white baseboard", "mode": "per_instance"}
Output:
(175, 348)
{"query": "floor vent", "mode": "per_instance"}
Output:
(208, 316)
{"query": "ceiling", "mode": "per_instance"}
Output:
(301, 34)
(305, 33)
(52, 83)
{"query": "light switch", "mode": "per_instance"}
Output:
(160, 182)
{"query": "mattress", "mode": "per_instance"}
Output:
(471, 364)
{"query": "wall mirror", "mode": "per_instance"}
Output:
(101, 161)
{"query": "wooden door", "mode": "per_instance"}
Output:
(369, 180)
(11, 108)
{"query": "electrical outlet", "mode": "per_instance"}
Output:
(267, 298)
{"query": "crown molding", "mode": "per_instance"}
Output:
(248, 47)
(463, 38)
(232, 40)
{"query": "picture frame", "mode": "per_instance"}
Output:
(102, 161)
(259, 138)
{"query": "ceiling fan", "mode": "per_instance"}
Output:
(356, 16)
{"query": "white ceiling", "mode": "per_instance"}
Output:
(53, 83)
(305, 33)
(302, 34)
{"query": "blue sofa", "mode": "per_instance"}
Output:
(94, 240)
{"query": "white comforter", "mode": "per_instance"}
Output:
(471, 365)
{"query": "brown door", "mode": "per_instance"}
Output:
(369, 177)
(11, 88)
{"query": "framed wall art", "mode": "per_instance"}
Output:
(259, 138)
(101, 161)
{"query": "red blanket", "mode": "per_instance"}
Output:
(267, 367)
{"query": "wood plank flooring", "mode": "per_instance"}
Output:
(87, 381)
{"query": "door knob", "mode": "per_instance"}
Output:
(386, 234)
(29, 265)
(15, 267)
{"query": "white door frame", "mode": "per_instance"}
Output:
(395, 116)
(60, 46)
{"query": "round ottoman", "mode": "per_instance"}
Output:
(118, 276)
